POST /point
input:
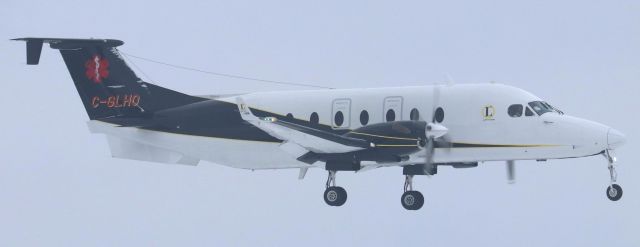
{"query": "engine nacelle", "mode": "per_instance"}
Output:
(392, 133)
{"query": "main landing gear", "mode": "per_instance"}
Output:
(614, 191)
(334, 195)
(411, 199)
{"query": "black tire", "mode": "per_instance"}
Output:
(343, 196)
(335, 196)
(614, 192)
(420, 200)
(412, 200)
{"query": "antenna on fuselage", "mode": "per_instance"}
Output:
(449, 79)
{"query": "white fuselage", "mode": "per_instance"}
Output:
(475, 114)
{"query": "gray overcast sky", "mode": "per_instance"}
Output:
(59, 187)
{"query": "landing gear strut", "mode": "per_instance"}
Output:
(334, 195)
(614, 191)
(411, 199)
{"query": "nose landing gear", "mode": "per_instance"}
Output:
(614, 191)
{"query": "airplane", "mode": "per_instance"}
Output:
(418, 128)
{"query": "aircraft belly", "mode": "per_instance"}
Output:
(451, 155)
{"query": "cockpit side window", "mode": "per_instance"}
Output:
(515, 110)
(540, 107)
(528, 112)
(553, 108)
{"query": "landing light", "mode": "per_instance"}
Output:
(270, 119)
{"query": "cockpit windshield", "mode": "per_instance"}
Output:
(541, 107)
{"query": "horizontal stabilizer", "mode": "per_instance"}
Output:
(127, 149)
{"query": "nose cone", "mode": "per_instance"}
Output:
(615, 139)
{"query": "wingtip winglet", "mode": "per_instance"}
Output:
(243, 108)
(247, 115)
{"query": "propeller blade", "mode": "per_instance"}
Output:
(445, 142)
(433, 131)
(511, 171)
(428, 156)
(436, 101)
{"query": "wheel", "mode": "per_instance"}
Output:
(412, 200)
(614, 192)
(335, 196)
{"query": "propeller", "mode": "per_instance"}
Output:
(433, 131)
(511, 171)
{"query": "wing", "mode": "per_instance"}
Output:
(296, 136)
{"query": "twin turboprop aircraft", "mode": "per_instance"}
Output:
(416, 128)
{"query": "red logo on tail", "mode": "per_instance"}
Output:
(97, 68)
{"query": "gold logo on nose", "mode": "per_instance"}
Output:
(488, 112)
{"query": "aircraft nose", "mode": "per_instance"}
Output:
(615, 138)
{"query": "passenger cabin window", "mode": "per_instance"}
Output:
(391, 115)
(314, 119)
(338, 119)
(414, 115)
(515, 110)
(528, 112)
(439, 115)
(364, 117)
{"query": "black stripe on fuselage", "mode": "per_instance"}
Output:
(212, 118)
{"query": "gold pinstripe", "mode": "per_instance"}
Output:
(387, 137)
(394, 145)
